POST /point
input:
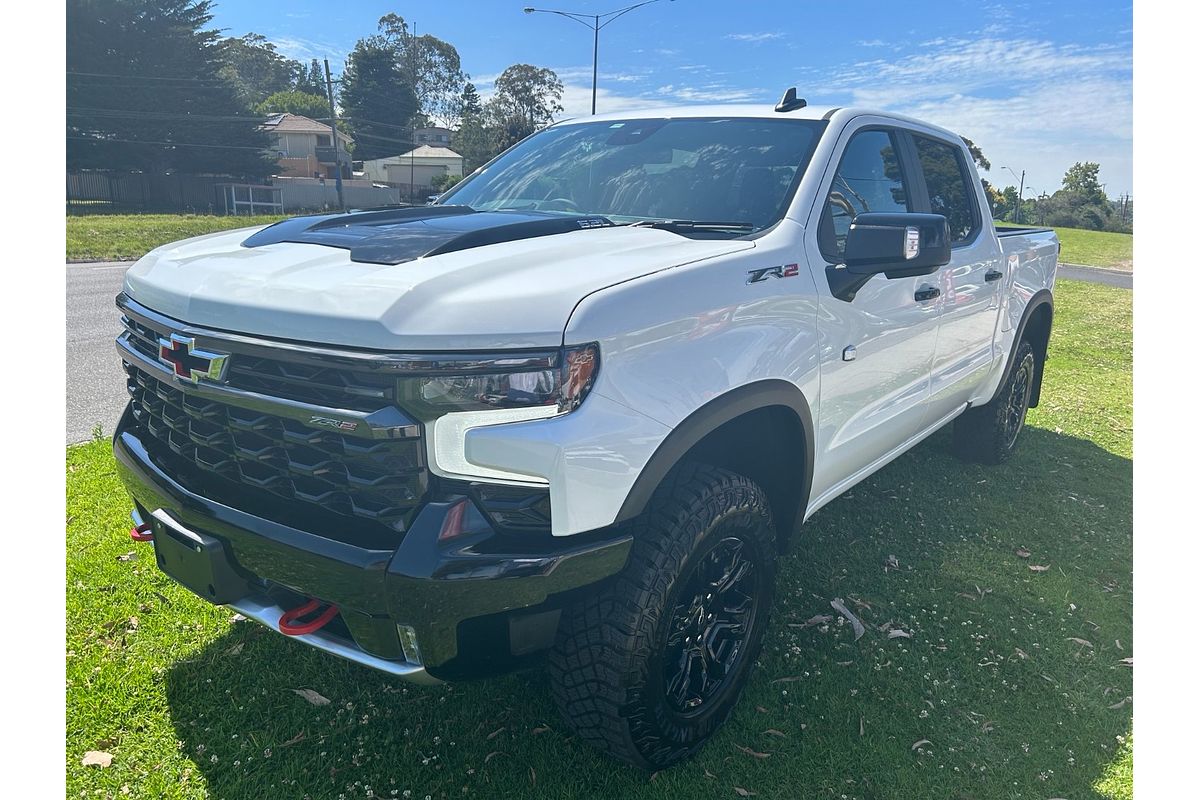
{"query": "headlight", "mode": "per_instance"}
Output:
(457, 394)
(556, 382)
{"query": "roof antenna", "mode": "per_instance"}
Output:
(790, 102)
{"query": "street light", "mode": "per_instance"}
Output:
(595, 22)
(1020, 192)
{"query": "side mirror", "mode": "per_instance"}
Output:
(897, 245)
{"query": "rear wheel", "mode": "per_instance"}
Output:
(650, 668)
(989, 433)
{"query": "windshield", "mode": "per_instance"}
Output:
(730, 170)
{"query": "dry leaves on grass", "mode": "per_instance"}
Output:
(495, 733)
(1121, 702)
(1039, 567)
(919, 743)
(540, 729)
(96, 758)
(1023, 553)
(891, 562)
(130, 556)
(744, 792)
(750, 752)
(840, 607)
(313, 697)
(1077, 640)
(897, 633)
(773, 732)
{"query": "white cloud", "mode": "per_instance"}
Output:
(303, 49)
(754, 38)
(1029, 104)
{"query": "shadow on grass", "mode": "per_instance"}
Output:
(1012, 676)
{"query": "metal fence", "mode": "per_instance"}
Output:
(139, 191)
(100, 192)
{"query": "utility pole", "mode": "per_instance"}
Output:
(1020, 192)
(337, 158)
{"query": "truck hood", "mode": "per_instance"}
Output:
(510, 294)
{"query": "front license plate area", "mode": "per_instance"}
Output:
(195, 560)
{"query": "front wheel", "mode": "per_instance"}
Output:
(989, 434)
(650, 668)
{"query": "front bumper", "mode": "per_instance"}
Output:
(424, 611)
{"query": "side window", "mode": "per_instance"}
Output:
(948, 182)
(868, 178)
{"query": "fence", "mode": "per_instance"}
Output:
(206, 194)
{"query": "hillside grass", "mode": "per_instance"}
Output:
(117, 237)
(1012, 685)
(1094, 248)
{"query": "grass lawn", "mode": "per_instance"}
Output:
(112, 237)
(1094, 248)
(1012, 685)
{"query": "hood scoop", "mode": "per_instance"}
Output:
(394, 236)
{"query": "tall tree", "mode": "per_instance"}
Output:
(144, 92)
(434, 68)
(312, 79)
(378, 100)
(256, 68)
(469, 102)
(526, 99)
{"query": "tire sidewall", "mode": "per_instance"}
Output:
(1025, 361)
(653, 721)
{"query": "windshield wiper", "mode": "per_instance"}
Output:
(692, 225)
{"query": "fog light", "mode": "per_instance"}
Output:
(408, 643)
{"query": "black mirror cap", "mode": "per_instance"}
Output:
(880, 242)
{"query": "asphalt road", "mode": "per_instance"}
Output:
(95, 383)
(96, 386)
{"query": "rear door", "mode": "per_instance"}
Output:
(970, 284)
(876, 351)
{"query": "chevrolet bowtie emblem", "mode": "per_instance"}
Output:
(188, 362)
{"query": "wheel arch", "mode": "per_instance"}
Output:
(1036, 322)
(762, 430)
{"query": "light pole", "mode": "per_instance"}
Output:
(1020, 192)
(595, 22)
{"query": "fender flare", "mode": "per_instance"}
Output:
(708, 418)
(1042, 297)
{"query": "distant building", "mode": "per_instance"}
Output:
(304, 147)
(434, 137)
(418, 166)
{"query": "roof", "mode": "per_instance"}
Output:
(424, 151)
(729, 110)
(294, 123)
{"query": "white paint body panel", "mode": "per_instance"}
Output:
(677, 323)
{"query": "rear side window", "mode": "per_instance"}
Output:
(868, 179)
(949, 185)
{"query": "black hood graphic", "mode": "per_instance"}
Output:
(394, 236)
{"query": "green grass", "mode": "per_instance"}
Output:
(113, 237)
(1094, 248)
(192, 704)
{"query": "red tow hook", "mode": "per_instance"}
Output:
(141, 533)
(290, 627)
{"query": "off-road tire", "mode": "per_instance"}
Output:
(989, 434)
(607, 667)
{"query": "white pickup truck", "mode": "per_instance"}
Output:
(578, 405)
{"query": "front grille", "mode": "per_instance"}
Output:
(377, 480)
(291, 380)
(265, 447)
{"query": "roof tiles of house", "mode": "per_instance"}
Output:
(294, 123)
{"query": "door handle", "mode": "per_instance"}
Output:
(993, 275)
(926, 293)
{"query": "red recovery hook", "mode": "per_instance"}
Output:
(289, 626)
(141, 533)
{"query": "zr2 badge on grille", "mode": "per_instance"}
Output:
(783, 271)
(328, 422)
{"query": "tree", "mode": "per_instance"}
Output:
(476, 140)
(441, 183)
(308, 105)
(145, 92)
(527, 98)
(1083, 178)
(977, 155)
(312, 79)
(433, 66)
(469, 102)
(378, 100)
(253, 65)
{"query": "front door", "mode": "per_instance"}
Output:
(876, 350)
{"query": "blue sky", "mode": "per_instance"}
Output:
(1038, 87)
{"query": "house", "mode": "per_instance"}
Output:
(304, 147)
(418, 166)
(433, 136)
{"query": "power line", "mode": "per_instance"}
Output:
(147, 77)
